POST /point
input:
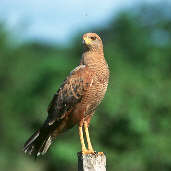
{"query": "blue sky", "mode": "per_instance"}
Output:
(55, 20)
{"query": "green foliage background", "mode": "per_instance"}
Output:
(132, 125)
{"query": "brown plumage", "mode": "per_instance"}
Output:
(76, 100)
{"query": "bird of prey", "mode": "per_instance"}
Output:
(76, 100)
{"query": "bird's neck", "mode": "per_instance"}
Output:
(97, 63)
(91, 58)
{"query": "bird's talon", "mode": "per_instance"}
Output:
(84, 150)
(100, 153)
(88, 152)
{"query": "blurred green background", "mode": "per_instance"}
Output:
(133, 123)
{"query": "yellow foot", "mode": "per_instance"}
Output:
(88, 151)
(100, 153)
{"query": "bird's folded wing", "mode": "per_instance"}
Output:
(70, 93)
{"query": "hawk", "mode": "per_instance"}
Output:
(76, 100)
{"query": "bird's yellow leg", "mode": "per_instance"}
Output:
(83, 147)
(90, 148)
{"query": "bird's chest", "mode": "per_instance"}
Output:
(94, 96)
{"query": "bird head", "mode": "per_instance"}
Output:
(92, 41)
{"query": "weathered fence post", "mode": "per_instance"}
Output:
(91, 162)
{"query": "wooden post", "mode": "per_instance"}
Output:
(91, 162)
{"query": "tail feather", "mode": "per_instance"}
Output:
(45, 146)
(38, 143)
(28, 145)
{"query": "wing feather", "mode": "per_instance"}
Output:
(70, 93)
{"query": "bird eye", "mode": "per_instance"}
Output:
(93, 38)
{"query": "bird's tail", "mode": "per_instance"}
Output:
(39, 142)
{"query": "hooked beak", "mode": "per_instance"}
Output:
(86, 41)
